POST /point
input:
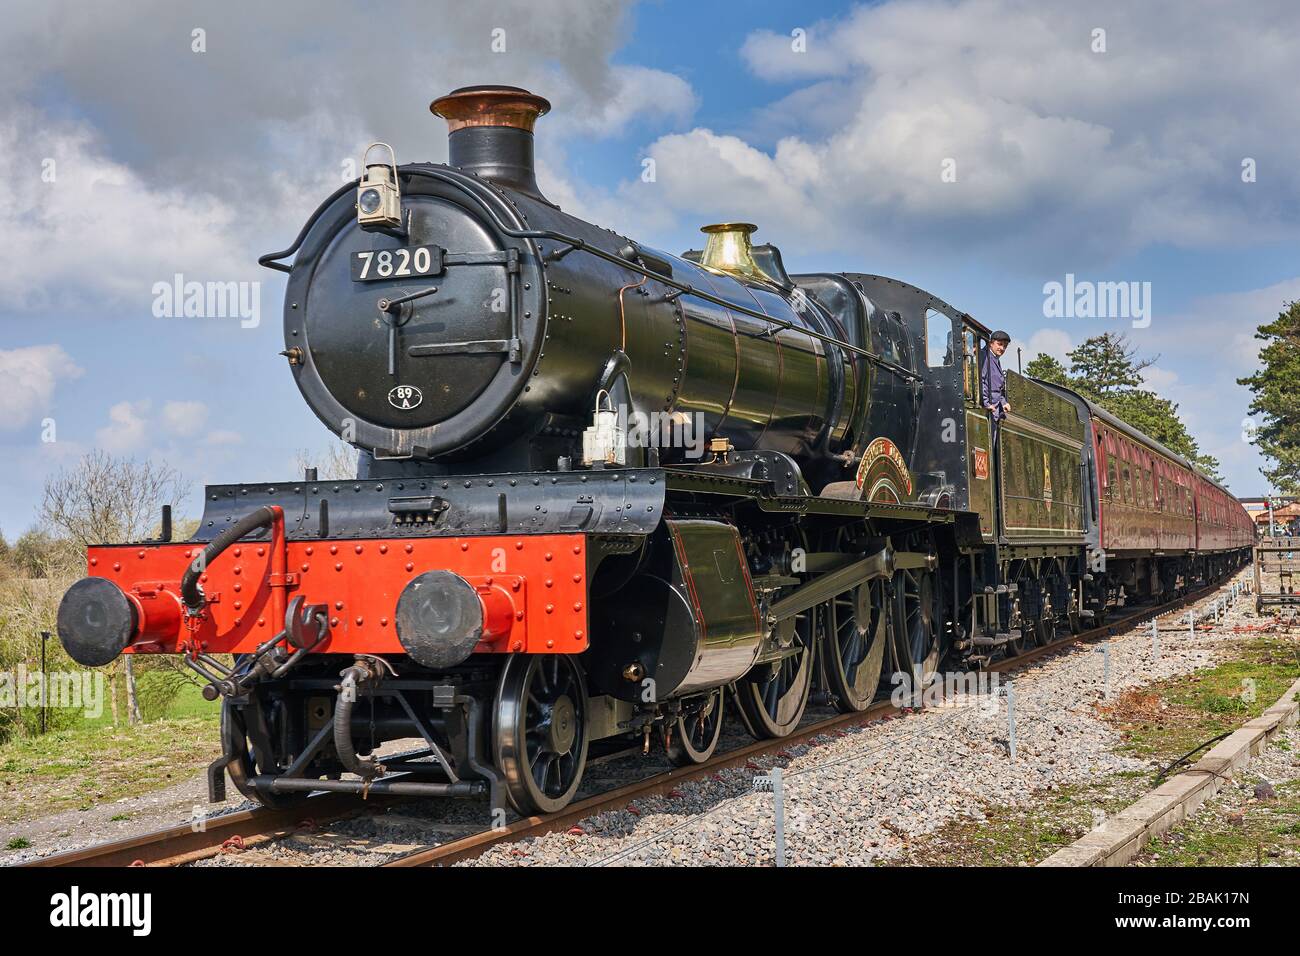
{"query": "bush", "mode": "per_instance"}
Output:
(27, 607)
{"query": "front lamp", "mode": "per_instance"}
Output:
(379, 199)
(369, 201)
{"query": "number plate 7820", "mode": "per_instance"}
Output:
(373, 265)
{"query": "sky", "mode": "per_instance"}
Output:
(981, 149)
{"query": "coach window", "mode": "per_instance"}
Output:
(1126, 485)
(1110, 477)
(938, 339)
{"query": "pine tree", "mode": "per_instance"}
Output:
(1048, 369)
(1107, 365)
(1277, 399)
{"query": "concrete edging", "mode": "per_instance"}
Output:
(1123, 836)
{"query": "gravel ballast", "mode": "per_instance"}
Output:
(855, 798)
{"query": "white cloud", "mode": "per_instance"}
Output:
(98, 233)
(1053, 342)
(1223, 325)
(1159, 380)
(722, 178)
(126, 430)
(634, 93)
(1058, 151)
(224, 436)
(28, 377)
(184, 418)
(197, 163)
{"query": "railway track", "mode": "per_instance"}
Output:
(240, 830)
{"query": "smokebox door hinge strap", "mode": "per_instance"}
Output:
(509, 258)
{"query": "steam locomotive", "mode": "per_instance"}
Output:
(609, 494)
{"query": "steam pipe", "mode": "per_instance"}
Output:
(353, 677)
(191, 593)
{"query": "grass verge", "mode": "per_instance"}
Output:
(94, 764)
(1160, 722)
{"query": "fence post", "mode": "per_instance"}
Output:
(1011, 718)
(778, 803)
(45, 692)
(772, 781)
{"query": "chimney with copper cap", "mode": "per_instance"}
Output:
(491, 133)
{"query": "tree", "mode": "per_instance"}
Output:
(1106, 365)
(38, 554)
(1277, 398)
(1048, 369)
(1107, 370)
(337, 461)
(105, 499)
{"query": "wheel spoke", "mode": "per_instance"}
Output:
(854, 650)
(770, 694)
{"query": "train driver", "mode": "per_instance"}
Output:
(993, 383)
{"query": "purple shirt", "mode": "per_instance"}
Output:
(993, 385)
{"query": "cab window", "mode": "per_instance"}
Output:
(938, 339)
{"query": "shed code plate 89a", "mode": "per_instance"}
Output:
(372, 265)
